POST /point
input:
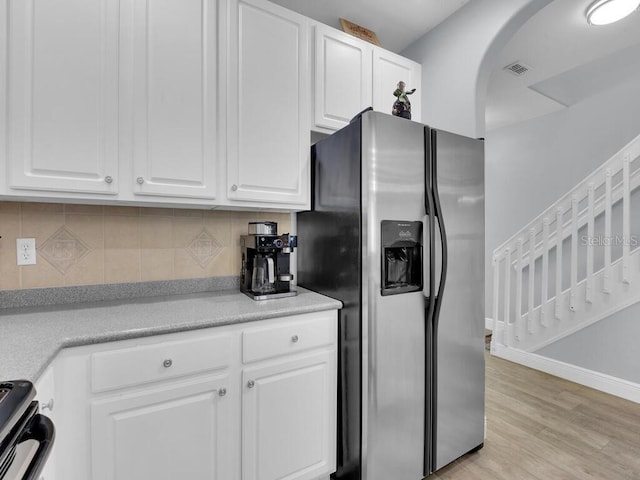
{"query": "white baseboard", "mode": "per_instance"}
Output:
(589, 378)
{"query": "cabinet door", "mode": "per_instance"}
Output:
(45, 394)
(268, 98)
(178, 430)
(343, 77)
(388, 70)
(173, 45)
(289, 419)
(62, 91)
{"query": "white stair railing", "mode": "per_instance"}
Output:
(574, 264)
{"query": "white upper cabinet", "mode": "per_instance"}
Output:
(389, 69)
(343, 72)
(351, 75)
(171, 85)
(267, 101)
(62, 95)
(177, 102)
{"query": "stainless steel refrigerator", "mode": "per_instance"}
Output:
(396, 232)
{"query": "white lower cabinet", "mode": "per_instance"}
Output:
(288, 419)
(45, 394)
(251, 401)
(164, 433)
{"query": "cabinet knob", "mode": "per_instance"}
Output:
(108, 179)
(47, 406)
(140, 180)
(167, 363)
(222, 392)
(251, 384)
(295, 339)
(234, 187)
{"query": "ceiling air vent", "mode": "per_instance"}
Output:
(517, 68)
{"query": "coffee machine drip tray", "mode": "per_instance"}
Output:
(269, 296)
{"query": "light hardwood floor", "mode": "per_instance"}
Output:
(541, 427)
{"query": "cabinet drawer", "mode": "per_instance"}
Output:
(150, 363)
(286, 338)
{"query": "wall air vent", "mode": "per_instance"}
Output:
(517, 68)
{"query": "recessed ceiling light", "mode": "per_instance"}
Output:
(604, 12)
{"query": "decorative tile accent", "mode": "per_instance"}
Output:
(92, 244)
(63, 250)
(204, 248)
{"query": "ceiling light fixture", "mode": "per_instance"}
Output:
(604, 12)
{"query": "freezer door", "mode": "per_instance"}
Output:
(329, 262)
(458, 166)
(393, 325)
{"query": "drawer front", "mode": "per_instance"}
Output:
(296, 335)
(151, 363)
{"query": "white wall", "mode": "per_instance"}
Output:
(532, 164)
(458, 56)
(609, 346)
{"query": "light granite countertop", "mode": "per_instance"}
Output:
(31, 337)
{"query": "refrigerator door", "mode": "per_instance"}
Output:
(329, 262)
(393, 325)
(458, 170)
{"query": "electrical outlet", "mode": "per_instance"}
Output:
(26, 251)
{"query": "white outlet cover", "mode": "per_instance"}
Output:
(26, 251)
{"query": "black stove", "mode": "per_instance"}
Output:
(26, 437)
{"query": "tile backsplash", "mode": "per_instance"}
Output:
(89, 244)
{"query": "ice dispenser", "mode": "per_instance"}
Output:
(401, 257)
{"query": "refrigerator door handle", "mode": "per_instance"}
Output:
(429, 228)
(437, 257)
(429, 307)
(441, 248)
(427, 281)
(439, 270)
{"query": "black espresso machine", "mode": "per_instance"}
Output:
(266, 262)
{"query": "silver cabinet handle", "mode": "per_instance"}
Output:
(251, 384)
(295, 339)
(234, 188)
(140, 180)
(222, 392)
(108, 179)
(47, 406)
(167, 363)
